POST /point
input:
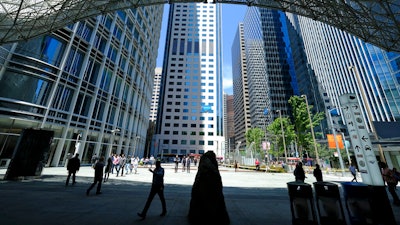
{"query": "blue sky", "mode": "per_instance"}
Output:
(231, 16)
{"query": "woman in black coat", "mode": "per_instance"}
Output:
(207, 205)
(299, 173)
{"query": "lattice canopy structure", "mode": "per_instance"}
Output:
(374, 21)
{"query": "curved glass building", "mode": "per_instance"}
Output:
(91, 83)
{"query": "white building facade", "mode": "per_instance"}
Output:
(190, 117)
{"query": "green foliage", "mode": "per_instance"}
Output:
(275, 132)
(302, 122)
(255, 135)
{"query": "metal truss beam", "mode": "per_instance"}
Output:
(373, 21)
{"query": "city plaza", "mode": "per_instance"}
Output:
(251, 197)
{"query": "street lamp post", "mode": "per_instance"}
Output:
(283, 134)
(312, 129)
(237, 151)
(113, 131)
(77, 143)
(134, 146)
(336, 141)
(368, 109)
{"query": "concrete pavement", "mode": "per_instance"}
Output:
(251, 198)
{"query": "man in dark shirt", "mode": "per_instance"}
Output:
(98, 176)
(157, 187)
(73, 165)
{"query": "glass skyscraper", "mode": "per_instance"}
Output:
(190, 116)
(270, 70)
(338, 58)
(90, 82)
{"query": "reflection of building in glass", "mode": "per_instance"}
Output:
(331, 52)
(190, 116)
(89, 82)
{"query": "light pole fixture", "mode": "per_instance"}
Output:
(113, 131)
(368, 109)
(336, 141)
(312, 129)
(77, 143)
(134, 146)
(283, 134)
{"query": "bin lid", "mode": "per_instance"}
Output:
(353, 184)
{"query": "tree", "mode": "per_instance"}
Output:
(302, 123)
(255, 135)
(275, 131)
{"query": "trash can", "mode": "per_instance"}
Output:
(301, 204)
(329, 207)
(367, 204)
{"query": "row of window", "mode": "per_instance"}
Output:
(210, 118)
(193, 125)
(190, 142)
(192, 133)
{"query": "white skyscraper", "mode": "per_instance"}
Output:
(156, 94)
(190, 117)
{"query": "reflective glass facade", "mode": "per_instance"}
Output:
(91, 82)
(270, 73)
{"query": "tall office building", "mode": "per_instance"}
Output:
(156, 94)
(270, 73)
(240, 88)
(229, 121)
(90, 82)
(190, 117)
(338, 58)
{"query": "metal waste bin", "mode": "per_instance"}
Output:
(301, 203)
(329, 207)
(367, 204)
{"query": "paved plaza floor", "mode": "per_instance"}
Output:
(251, 198)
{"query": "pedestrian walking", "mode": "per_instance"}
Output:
(116, 163)
(94, 159)
(353, 172)
(135, 164)
(176, 160)
(108, 168)
(299, 173)
(257, 165)
(188, 161)
(183, 164)
(73, 166)
(151, 161)
(391, 181)
(114, 156)
(236, 165)
(157, 187)
(317, 173)
(122, 161)
(128, 165)
(98, 176)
